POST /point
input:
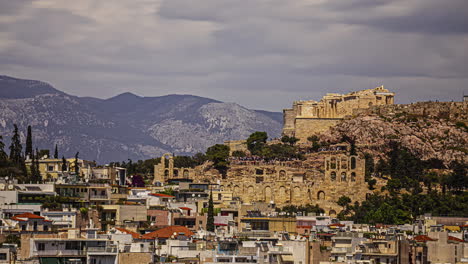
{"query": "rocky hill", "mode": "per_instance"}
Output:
(428, 129)
(126, 126)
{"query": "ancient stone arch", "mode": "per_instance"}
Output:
(282, 198)
(186, 174)
(236, 190)
(344, 163)
(353, 163)
(333, 163)
(282, 175)
(296, 194)
(321, 195)
(161, 173)
(343, 176)
(333, 176)
(251, 193)
(268, 194)
(353, 176)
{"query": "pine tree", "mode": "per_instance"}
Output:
(3, 155)
(29, 145)
(210, 220)
(56, 152)
(64, 164)
(15, 147)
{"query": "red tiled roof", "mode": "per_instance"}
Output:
(167, 232)
(455, 239)
(186, 208)
(162, 195)
(26, 215)
(423, 238)
(134, 234)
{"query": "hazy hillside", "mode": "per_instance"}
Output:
(126, 126)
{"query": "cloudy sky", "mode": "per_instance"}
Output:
(262, 54)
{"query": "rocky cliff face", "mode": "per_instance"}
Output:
(126, 126)
(429, 130)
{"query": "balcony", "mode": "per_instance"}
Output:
(99, 197)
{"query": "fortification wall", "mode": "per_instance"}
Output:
(306, 127)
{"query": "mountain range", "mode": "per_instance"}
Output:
(126, 126)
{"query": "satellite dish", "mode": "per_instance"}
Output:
(10, 187)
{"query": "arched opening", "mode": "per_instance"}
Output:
(344, 163)
(333, 164)
(268, 196)
(343, 176)
(353, 163)
(328, 164)
(332, 213)
(251, 193)
(321, 195)
(333, 176)
(282, 175)
(186, 173)
(353, 176)
(282, 194)
(166, 173)
(176, 173)
(297, 194)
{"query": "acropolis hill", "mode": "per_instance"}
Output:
(311, 117)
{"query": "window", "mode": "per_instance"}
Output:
(23, 227)
(333, 175)
(3, 256)
(50, 168)
(40, 246)
(46, 228)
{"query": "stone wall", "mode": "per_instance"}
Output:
(306, 127)
(309, 117)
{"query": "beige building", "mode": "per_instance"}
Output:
(306, 118)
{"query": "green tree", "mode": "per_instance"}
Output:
(37, 176)
(289, 140)
(210, 218)
(3, 155)
(256, 141)
(369, 162)
(56, 152)
(29, 144)
(343, 201)
(219, 155)
(238, 154)
(16, 147)
(77, 168)
(64, 164)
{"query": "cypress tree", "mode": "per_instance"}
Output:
(38, 176)
(210, 220)
(32, 167)
(29, 145)
(15, 147)
(77, 170)
(56, 152)
(64, 164)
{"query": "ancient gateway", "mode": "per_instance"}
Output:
(306, 118)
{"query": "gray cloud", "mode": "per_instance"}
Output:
(260, 53)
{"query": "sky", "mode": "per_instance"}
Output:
(262, 54)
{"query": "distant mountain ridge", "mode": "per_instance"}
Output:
(126, 126)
